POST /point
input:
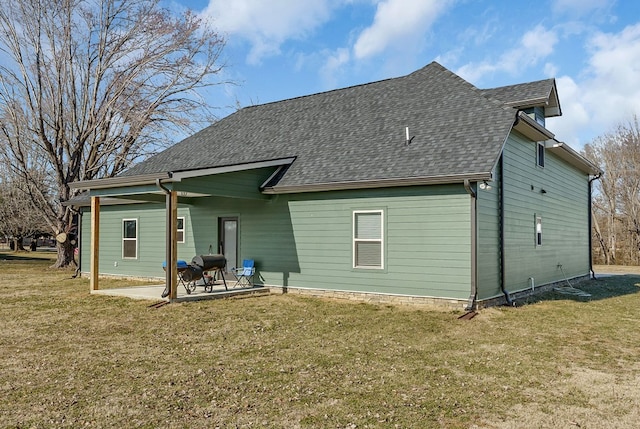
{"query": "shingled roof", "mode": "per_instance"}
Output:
(524, 95)
(357, 134)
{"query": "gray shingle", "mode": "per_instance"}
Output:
(357, 133)
(523, 93)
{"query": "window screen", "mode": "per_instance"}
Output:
(130, 238)
(367, 239)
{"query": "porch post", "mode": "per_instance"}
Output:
(172, 236)
(95, 243)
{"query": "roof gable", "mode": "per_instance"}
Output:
(541, 93)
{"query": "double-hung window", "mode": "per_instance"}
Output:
(129, 238)
(368, 239)
(540, 154)
(180, 230)
(538, 230)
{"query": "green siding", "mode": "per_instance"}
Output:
(240, 184)
(151, 239)
(422, 258)
(564, 212)
(305, 240)
(488, 243)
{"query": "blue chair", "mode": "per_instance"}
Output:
(181, 266)
(244, 275)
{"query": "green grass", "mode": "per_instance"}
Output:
(71, 359)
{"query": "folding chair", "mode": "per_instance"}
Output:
(244, 275)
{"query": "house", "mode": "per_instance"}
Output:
(421, 187)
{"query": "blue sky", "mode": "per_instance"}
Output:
(278, 49)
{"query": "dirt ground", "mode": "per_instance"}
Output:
(600, 393)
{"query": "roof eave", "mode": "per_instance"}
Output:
(568, 154)
(550, 102)
(278, 162)
(120, 181)
(379, 183)
(550, 110)
(175, 176)
(531, 129)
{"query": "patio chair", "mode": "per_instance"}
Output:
(244, 275)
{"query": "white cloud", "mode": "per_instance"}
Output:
(579, 7)
(480, 35)
(332, 66)
(396, 23)
(550, 70)
(534, 46)
(608, 91)
(575, 116)
(267, 24)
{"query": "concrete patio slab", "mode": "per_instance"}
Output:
(154, 292)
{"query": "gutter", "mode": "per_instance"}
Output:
(472, 303)
(502, 229)
(379, 183)
(565, 152)
(530, 128)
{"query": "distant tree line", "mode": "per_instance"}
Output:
(616, 197)
(18, 218)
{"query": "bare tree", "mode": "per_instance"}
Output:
(18, 219)
(604, 152)
(88, 87)
(616, 203)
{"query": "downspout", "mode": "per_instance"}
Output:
(168, 245)
(473, 296)
(501, 212)
(593, 274)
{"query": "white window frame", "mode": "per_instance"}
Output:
(540, 160)
(180, 230)
(538, 230)
(371, 240)
(135, 239)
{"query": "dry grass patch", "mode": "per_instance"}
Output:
(70, 359)
(616, 269)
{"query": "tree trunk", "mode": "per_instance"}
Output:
(601, 241)
(65, 255)
(17, 244)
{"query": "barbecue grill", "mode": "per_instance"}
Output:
(199, 269)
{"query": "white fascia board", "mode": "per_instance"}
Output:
(567, 153)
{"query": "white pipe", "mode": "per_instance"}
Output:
(532, 282)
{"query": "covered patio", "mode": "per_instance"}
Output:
(237, 182)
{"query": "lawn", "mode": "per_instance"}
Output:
(70, 359)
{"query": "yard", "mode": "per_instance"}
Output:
(70, 359)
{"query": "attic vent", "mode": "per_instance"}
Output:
(408, 139)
